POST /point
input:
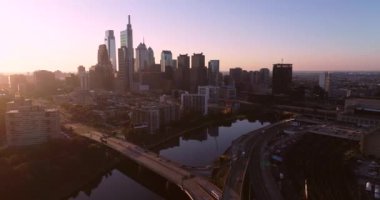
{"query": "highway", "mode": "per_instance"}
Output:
(196, 187)
(248, 159)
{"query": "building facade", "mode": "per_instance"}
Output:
(83, 78)
(109, 41)
(213, 72)
(282, 78)
(166, 60)
(198, 72)
(27, 124)
(194, 104)
(210, 92)
(183, 71)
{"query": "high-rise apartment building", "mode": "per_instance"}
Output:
(166, 60)
(109, 41)
(194, 103)
(27, 124)
(83, 78)
(282, 78)
(324, 81)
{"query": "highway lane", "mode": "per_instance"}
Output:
(247, 153)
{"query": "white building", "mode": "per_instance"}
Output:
(194, 103)
(27, 124)
(324, 81)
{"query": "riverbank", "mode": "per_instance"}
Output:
(52, 170)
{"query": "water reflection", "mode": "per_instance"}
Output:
(196, 148)
(115, 185)
(201, 147)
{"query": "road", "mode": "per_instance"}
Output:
(248, 159)
(196, 187)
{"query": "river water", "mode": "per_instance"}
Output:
(196, 148)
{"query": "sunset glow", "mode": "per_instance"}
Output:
(313, 35)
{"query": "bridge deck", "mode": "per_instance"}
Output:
(196, 187)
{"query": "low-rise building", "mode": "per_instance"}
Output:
(362, 112)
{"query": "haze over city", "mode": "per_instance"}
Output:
(318, 35)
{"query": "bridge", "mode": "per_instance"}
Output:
(197, 188)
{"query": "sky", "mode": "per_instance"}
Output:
(312, 35)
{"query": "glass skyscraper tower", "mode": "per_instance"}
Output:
(109, 41)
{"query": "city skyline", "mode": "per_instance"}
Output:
(325, 35)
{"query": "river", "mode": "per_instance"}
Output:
(196, 148)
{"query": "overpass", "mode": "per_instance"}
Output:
(197, 188)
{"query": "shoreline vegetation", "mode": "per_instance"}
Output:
(54, 170)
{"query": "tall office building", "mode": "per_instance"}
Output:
(281, 78)
(198, 72)
(182, 75)
(123, 73)
(166, 60)
(151, 60)
(213, 72)
(324, 81)
(142, 59)
(109, 41)
(101, 75)
(126, 40)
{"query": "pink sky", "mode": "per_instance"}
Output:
(48, 34)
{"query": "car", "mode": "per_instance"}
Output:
(377, 192)
(368, 186)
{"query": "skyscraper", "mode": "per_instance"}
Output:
(281, 78)
(151, 60)
(213, 72)
(182, 75)
(264, 77)
(101, 75)
(109, 41)
(198, 71)
(142, 58)
(122, 76)
(126, 40)
(166, 60)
